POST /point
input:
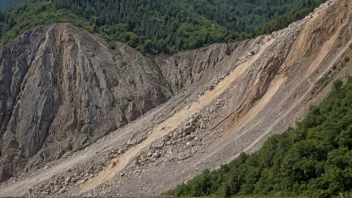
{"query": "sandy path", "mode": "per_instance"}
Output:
(171, 123)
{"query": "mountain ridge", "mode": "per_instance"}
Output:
(235, 95)
(158, 27)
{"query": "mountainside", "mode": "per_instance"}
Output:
(63, 88)
(159, 26)
(74, 90)
(312, 160)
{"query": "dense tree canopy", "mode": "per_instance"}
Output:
(7, 3)
(315, 159)
(159, 26)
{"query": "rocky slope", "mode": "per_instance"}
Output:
(62, 89)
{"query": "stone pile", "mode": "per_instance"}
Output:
(179, 145)
(80, 174)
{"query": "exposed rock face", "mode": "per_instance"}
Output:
(184, 69)
(61, 88)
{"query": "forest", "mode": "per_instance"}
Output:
(158, 26)
(7, 3)
(313, 160)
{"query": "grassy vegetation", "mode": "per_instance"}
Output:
(80, 125)
(324, 81)
(313, 160)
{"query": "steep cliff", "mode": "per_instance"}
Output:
(62, 88)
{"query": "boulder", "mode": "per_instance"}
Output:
(156, 155)
(189, 138)
(188, 129)
(62, 190)
(158, 144)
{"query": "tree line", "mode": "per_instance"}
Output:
(159, 26)
(7, 3)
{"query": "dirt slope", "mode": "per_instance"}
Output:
(227, 98)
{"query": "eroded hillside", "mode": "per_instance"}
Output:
(63, 89)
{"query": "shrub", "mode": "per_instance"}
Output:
(347, 59)
(80, 125)
(338, 84)
(112, 46)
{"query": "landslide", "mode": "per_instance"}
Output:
(221, 100)
(62, 89)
